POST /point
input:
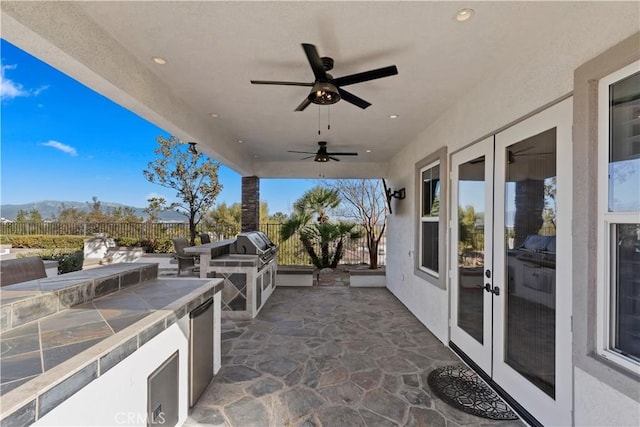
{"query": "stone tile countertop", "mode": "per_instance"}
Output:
(46, 360)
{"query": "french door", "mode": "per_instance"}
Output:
(510, 228)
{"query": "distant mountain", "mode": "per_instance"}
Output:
(51, 208)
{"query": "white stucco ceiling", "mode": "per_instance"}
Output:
(213, 49)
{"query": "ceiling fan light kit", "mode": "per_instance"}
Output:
(322, 155)
(324, 93)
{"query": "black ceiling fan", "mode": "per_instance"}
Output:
(325, 89)
(322, 155)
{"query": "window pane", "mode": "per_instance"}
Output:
(431, 191)
(430, 245)
(624, 145)
(627, 290)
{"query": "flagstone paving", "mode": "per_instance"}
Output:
(331, 357)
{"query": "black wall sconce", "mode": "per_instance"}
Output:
(390, 194)
(192, 148)
(399, 194)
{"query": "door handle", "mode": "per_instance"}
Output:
(494, 290)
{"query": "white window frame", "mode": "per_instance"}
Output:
(606, 247)
(424, 219)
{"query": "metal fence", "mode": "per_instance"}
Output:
(291, 251)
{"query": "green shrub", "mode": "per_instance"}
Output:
(44, 241)
(150, 246)
(67, 261)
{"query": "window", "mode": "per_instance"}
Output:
(619, 217)
(430, 219)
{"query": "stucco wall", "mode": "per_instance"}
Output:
(595, 371)
(509, 96)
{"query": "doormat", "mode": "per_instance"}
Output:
(460, 387)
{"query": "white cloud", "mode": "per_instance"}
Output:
(62, 147)
(10, 89)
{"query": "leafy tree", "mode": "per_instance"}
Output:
(231, 215)
(129, 215)
(310, 221)
(21, 216)
(264, 212)
(156, 205)
(363, 200)
(35, 216)
(278, 218)
(194, 177)
(71, 215)
(95, 214)
(223, 214)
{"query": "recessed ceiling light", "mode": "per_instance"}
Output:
(393, 116)
(240, 141)
(368, 151)
(214, 115)
(464, 14)
(159, 60)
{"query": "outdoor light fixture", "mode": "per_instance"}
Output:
(390, 194)
(192, 148)
(398, 194)
(324, 93)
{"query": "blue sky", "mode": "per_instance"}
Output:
(62, 141)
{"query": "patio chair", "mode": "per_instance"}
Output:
(185, 261)
(205, 238)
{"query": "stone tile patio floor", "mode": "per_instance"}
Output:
(329, 356)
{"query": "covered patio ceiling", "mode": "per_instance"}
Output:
(213, 49)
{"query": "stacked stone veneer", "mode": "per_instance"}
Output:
(250, 203)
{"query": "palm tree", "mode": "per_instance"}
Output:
(319, 233)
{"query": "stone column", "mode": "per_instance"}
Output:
(250, 203)
(529, 206)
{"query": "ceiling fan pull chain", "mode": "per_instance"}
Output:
(318, 120)
(329, 118)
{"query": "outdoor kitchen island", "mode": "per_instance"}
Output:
(89, 347)
(248, 266)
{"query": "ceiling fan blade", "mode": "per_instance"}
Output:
(308, 157)
(304, 104)
(270, 82)
(366, 76)
(352, 99)
(300, 152)
(342, 154)
(334, 158)
(315, 61)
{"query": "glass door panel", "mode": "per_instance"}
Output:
(471, 251)
(530, 212)
(532, 253)
(471, 209)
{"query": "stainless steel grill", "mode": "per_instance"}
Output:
(254, 243)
